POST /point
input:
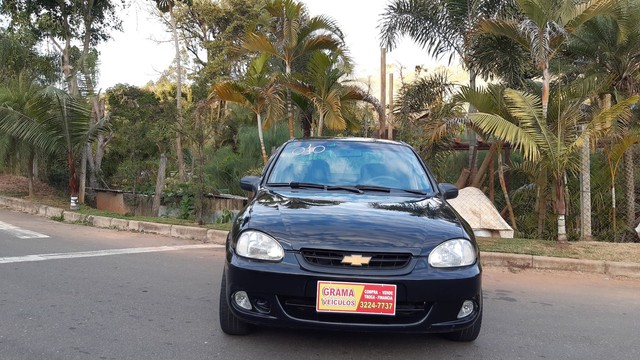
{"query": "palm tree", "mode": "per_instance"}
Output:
(325, 87)
(291, 36)
(442, 27)
(50, 120)
(486, 100)
(16, 95)
(554, 140)
(615, 149)
(608, 49)
(259, 91)
(544, 29)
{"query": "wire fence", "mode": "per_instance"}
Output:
(610, 217)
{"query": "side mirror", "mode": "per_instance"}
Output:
(449, 191)
(250, 183)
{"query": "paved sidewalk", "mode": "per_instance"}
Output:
(513, 261)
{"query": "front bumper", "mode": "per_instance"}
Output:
(284, 294)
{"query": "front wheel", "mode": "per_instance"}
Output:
(229, 323)
(467, 335)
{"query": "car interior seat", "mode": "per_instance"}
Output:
(317, 172)
(371, 171)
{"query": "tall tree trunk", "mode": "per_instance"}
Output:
(630, 187)
(73, 181)
(82, 184)
(546, 80)
(471, 135)
(320, 123)
(32, 156)
(492, 185)
(261, 137)
(307, 119)
(503, 186)
(585, 191)
(162, 169)
(289, 102)
(176, 42)
(383, 93)
(541, 209)
(561, 209)
(87, 12)
(389, 120)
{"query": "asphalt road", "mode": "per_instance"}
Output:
(158, 300)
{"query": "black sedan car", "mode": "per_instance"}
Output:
(351, 234)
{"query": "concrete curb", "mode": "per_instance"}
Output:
(517, 261)
(513, 261)
(189, 232)
(177, 231)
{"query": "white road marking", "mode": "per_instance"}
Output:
(20, 232)
(74, 255)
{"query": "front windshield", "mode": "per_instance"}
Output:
(350, 163)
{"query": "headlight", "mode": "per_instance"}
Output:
(260, 246)
(453, 253)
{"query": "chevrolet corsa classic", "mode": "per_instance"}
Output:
(351, 234)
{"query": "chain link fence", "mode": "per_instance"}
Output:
(536, 221)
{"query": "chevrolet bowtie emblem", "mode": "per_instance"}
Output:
(356, 260)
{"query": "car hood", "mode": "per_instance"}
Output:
(326, 220)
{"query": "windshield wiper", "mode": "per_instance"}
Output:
(344, 187)
(417, 192)
(386, 189)
(373, 188)
(297, 185)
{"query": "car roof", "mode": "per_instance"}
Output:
(349, 139)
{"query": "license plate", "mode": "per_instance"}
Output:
(358, 298)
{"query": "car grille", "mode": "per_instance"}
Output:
(305, 309)
(332, 258)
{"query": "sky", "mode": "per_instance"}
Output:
(143, 49)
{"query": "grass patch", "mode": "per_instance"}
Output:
(64, 203)
(86, 210)
(587, 250)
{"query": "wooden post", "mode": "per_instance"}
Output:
(383, 90)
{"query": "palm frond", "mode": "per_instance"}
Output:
(448, 127)
(231, 91)
(588, 10)
(507, 28)
(506, 131)
(424, 22)
(609, 122)
(321, 23)
(527, 110)
(259, 42)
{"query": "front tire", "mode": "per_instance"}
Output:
(469, 334)
(229, 323)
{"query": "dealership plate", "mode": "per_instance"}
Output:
(358, 298)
